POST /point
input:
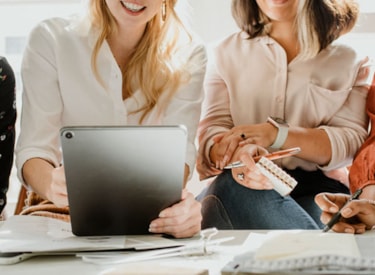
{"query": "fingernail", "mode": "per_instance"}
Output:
(360, 231)
(348, 230)
(151, 229)
(346, 211)
(225, 159)
(152, 226)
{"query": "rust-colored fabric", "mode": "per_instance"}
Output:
(362, 171)
(37, 206)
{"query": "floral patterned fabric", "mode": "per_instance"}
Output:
(8, 115)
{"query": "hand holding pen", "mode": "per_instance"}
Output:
(271, 156)
(336, 217)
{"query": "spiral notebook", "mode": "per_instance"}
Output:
(322, 264)
(283, 183)
(302, 252)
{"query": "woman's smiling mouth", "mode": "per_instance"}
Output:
(132, 6)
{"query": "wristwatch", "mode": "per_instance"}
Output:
(282, 133)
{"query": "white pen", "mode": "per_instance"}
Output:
(271, 156)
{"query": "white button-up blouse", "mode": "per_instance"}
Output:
(59, 89)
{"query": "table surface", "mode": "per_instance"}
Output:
(71, 264)
(213, 263)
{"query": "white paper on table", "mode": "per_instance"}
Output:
(22, 233)
(304, 243)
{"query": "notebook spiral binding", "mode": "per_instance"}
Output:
(282, 181)
(320, 264)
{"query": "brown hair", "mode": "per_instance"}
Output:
(318, 23)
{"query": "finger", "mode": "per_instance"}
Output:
(179, 232)
(325, 217)
(258, 181)
(185, 194)
(261, 151)
(180, 225)
(326, 202)
(246, 141)
(346, 224)
(360, 211)
(218, 137)
(220, 150)
(252, 179)
(343, 227)
(176, 226)
(248, 159)
(180, 211)
(359, 228)
(232, 140)
(231, 148)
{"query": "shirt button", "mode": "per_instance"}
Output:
(280, 99)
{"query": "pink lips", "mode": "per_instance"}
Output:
(278, 2)
(130, 11)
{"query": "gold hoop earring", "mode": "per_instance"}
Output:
(164, 10)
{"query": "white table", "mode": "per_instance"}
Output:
(57, 265)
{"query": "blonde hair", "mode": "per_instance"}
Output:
(318, 22)
(151, 68)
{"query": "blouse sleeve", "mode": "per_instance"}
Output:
(216, 119)
(347, 129)
(41, 101)
(185, 106)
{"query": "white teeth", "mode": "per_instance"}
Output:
(131, 6)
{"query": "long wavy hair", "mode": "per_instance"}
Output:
(151, 67)
(318, 22)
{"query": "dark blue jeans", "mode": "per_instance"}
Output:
(229, 205)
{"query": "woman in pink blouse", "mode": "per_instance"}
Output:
(280, 83)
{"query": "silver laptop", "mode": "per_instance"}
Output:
(120, 178)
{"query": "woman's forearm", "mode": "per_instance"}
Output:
(314, 143)
(37, 173)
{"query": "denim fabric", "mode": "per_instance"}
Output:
(229, 205)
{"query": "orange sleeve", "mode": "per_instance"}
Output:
(362, 171)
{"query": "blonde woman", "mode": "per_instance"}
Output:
(281, 82)
(124, 63)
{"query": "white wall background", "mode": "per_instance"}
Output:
(212, 19)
